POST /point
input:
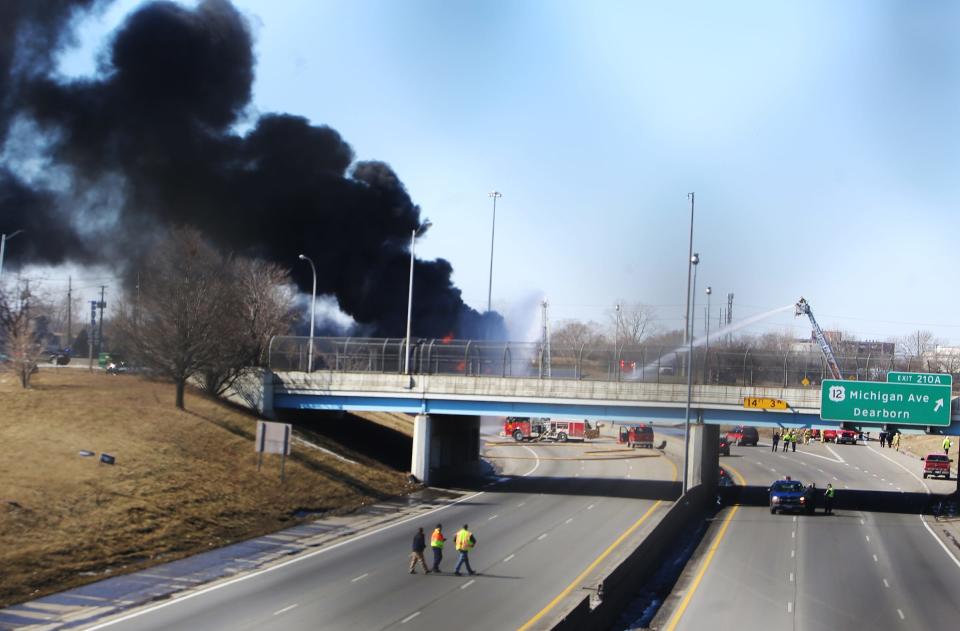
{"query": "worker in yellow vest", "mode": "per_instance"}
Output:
(464, 544)
(946, 445)
(436, 544)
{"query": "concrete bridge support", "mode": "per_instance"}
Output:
(704, 459)
(445, 447)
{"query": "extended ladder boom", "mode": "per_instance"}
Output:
(803, 308)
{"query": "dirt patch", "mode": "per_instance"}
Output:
(183, 482)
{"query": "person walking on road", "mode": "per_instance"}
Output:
(419, 544)
(828, 496)
(786, 441)
(776, 439)
(883, 438)
(896, 441)
(946, 445)
(793, 441)
(464, 544)
(436, 544)
(810, 498)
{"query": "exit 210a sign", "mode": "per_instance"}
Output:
(879, 402)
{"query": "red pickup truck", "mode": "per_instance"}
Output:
(936, 464)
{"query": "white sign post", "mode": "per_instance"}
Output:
(273, 438)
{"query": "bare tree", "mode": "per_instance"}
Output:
(257, 304)
(632, 324)
(915, 347)
(20, 340)
(183, 298)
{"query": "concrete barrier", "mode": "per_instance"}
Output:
(623, 582)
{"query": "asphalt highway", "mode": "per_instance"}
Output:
(852, 570)
(536, 534)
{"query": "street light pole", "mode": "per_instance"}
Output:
(694, 261)
(616, 344)
(406, 361)
(493, 227)
(313, 310)
(706, 344)
(3, 246)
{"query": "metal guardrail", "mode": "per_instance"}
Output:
(722, 365)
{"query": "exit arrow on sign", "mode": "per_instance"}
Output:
(938, 405)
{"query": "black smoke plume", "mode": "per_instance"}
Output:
(151, 143)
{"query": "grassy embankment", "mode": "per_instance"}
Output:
(183, 482)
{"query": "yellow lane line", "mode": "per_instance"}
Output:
(675, 619)
(577, 581)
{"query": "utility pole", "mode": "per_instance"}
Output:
(493, 230)
(93, 331)
(687, 330)
(101, 304)
(545, 339)
(69, 343)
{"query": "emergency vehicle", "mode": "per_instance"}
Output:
(640, 435)
(537, 429)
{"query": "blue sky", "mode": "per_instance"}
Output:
(821, 139)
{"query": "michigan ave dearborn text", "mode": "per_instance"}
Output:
(885, 397)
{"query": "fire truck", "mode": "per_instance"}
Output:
(543, 429)
(640, 435)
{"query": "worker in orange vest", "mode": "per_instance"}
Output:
(436, 544)
(464, 544)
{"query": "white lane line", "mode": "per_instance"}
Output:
(277, 613)
(820, 470)
(759, 463)
(468, 583)
(863, 523)
(868, 538)
(900, 613)
(791, 577)
(590, 507)
(794, 519)
(521, 504)
(536, 464)
(409, 618)
(886, 584)
(577, 475)
(793, 535)
(508, 558)
(835, 454)
(834, 477)
(568, 521)
(789, 607)
(297, 559)
(793, 553)
(542, 537)
(359, 578)
(875, 559)
(492, 517)
(940, 541)
(774, 470)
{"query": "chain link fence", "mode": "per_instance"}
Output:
(733, 365)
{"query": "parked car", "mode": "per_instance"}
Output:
(724, 446)
(829, 435)
(936, 464)
(744, 435)
(787, 495)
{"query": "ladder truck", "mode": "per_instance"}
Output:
(803, 308)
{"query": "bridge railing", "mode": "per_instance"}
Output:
(740, 365)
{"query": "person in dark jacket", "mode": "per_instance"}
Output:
(810, 498)
(419, 545)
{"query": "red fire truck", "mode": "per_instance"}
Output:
(640, 435)
(534, 429)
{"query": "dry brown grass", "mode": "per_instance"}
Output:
(184, 481)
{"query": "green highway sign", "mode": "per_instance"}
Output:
(927, 378)
(884, 402)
